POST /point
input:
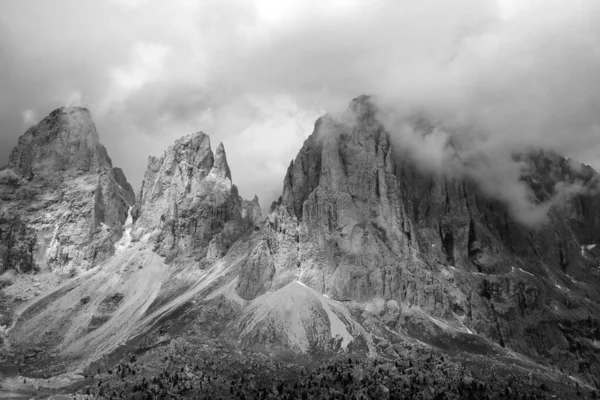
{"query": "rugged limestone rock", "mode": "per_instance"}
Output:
(188, 215)
(188, 205)
(63, 205)
(359, 222)
(362, 251)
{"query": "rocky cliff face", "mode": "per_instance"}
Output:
(63, 204)
(362, 252)
(359, 222)
(188, 205)
(185, 236)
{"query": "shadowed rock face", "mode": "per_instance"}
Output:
(188, 205)
(63, 205)
(358, 221)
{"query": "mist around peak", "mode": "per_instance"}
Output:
(505, 171)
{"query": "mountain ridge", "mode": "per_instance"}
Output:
(362, 254)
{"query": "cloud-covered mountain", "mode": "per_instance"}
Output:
(368, 253)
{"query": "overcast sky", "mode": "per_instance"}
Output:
(255, 74)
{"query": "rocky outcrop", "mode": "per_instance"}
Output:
(360, 222)
(63, 205)
(188, 205)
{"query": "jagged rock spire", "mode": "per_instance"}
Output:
(220, 166)
(186, 199)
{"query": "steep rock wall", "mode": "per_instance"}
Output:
(63, 204)
(360, 222)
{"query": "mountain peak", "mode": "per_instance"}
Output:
(70, 110)
(197, 142)
(364, 254)
(363, 106)
(76, 119)
(68, 174)
(187, 197)
(65, 140)
(220, 166)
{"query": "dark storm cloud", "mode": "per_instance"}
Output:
(255, 75)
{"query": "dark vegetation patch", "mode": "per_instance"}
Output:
(451, 342)
(206, 367)
(188, 354)
(110, 303)
(97, 321)
(7, 308)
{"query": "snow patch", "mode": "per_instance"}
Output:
(125, 240)
(336, 325)
(528, 273)
(439, 323)
(303, 284)
(587, 247)
(560, 287)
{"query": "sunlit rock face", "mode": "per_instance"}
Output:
(360, 222)
(188, 205)
(63, 204)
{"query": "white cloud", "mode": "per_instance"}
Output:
(147, 62)
(269, 144)
(146, 65)
(517, 72)
(29, 118)
(74, 99)
(130, 3)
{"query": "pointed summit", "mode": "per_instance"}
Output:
(220, 166)
(363, 107)
(66, 140)
(187, 199)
